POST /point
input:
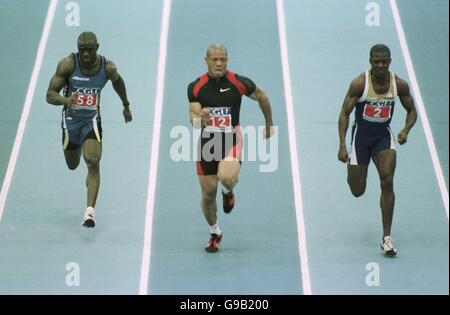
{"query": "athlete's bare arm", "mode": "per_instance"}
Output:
(58, 81)
(198, 115)
(354, 92)
(119, 86)
(264, 104)
(407, 102)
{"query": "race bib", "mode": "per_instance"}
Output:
(86, 100)
(220, 120)
(377, 113)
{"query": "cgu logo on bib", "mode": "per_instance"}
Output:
(381, 102)
(220, 111)
(81, 90)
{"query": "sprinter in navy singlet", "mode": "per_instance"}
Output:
(83, 120)
(373, 95)
(83, 76)
(214, 103)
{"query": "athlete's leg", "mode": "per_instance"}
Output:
(385, 162)
(357, 178)
(72, 158)
(359, 159)
(92, 152)
(208, 184)
(228, 172)
(228, 169)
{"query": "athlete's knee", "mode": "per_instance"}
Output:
(387, 182)
(357, 189)
(228, 181)
(208, 196)
(72, 166)
(93, 163)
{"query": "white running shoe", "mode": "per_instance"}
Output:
(387, 247)
(89, 218)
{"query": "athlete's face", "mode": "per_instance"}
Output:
(217, 60)
(88, 52)
(380, 64)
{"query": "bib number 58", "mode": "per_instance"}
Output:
(86, 99)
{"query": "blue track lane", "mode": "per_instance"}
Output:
(16, 62)
(343, 233)
(259, 253)
(41, 228)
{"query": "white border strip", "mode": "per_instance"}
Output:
(27, 105)
(293, 150)
(420, 105)
(146, 252)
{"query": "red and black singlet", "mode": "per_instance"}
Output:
(224, 93)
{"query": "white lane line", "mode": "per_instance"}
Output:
(293, 150)
(27, 105)
(146, 251)
(420, 105)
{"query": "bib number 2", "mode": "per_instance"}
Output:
(377, 113)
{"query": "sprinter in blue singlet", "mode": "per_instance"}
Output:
(83, 76)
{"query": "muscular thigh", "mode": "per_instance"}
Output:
(385, 142)
(361, 147)
(208, 184)
(367, 143)
(92, 149)
(385, 162)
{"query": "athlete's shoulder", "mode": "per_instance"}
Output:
(358, 84)
(193, 83)
(243, 78)
(195, 86)
(190, 89)
(202, 78)
(250, 86)
(109, 63)
(66, 66)
(399, 80)
(402, 86)
(110, 69)
(360, 79)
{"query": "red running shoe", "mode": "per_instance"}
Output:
(214, 243)
(228, 202)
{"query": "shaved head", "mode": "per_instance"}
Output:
(381, 49)
(214, 47)
(87, 37)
